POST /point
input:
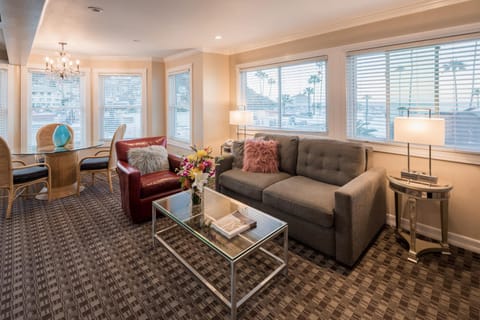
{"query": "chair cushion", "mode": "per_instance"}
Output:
(149, 159)
(29, 174)
(249, 184)
(94, 163)
(308, 199)
(158, 182)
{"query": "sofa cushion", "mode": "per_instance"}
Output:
(308, 199)
(249, 184)
(330, 161)
(287, 150)
(260, 156)
(158, 182)
(237, 152)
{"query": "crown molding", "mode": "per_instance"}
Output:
(353, 21)
(182, 54)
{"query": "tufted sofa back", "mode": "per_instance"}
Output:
(330, 161)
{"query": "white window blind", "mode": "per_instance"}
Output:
(121, 103)
(3, 104)
(443, 77)
(55, 100)
(288, 96)
(179, 106)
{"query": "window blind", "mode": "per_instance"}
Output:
(122, 101)
(444, 78)
(179, 106)
(55, 100)
(287, 96)
(3, 104)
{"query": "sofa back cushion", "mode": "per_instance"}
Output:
(287, 150)
(330, 161)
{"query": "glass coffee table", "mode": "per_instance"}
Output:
(196, 220)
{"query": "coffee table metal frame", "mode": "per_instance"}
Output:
(234, 303)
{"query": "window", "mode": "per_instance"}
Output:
(289, 96)
(121, 102)
(444, 77)
(3, 104)
(54, 100)
(179, 106)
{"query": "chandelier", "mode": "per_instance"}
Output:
(62, 66)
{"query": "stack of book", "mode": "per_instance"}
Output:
(233, 224)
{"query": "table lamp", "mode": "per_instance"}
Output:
(429, 131)
(241, 118)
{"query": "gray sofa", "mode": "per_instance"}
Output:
(325, 190)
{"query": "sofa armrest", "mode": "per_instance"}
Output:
(174, 162)
(224, 163)
(360, 212)
(129, 181)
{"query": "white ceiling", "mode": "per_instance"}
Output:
(165, 27)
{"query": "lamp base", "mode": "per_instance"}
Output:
(418, 176)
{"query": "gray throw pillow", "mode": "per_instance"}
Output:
(237, 152)
(148, 159)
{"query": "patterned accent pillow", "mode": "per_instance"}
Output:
(260, 156)
(148, 159)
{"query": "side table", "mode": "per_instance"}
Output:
(415, 190)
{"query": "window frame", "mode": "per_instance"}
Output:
(172, 71)
(296, 59)
(9, 101)
(464, 32)
(97, 117)
(26, 86)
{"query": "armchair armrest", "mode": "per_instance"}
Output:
(107, 150)
(224, 163)
(130, 177)
(174, 161)
(360, 212)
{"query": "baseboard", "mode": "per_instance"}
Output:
(435, 233)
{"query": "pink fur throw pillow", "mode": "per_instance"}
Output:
(260, 156)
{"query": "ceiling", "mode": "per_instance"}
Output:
(153, 28)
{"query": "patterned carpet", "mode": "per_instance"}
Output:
(81, 258)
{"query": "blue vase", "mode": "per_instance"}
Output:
(61, 136)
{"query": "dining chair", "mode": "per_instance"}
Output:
(17, 178)
(101, 163)
(45, 133)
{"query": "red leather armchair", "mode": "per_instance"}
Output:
(138, 191)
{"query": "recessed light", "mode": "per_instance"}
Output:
(136, 40)
(95, 9)
(218, 37)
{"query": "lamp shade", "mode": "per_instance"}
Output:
(241, 117)
(420, 130)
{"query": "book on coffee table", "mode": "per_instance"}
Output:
(233, 224)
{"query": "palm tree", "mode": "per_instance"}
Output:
(454, 66)
(309, 91)
(313, 79)
(366, 97)
(262, 76)
(286, 99)
(270, 82)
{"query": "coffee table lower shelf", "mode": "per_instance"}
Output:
(234, 303)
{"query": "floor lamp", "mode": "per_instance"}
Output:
(241, 118)
(417, 130)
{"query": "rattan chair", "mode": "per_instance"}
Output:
(45, 133)
(15, 179)
(101, 163)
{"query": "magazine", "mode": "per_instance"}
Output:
(233, 224)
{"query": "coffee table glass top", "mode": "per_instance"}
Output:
(179, 208)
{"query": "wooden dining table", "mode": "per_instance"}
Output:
(63, 163)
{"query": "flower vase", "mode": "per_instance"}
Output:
(196, 196)
(61, 136)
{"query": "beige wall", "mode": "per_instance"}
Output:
(158, 108)
(464, 219)
(210, 91)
